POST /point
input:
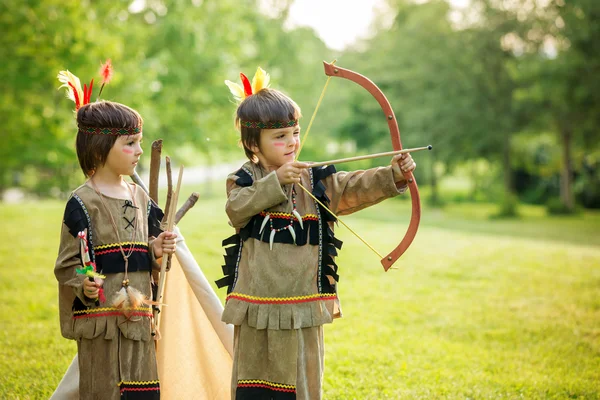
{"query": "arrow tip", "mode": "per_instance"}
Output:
(429, 147)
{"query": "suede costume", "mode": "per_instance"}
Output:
(116, 355)
(279, 299)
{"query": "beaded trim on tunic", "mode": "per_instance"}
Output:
(140, 386)
(319, 280)
(259, 383)
(281, 300)
(90, 237)
(114, 247)
(111, 311)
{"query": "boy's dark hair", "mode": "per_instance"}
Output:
(267, 105)
(93, 149)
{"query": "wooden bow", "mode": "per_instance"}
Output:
(332, 70)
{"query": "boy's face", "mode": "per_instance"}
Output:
(278, 146)
(125, 154)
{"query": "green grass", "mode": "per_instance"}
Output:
(476, 309)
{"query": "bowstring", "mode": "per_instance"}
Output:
(312, 118)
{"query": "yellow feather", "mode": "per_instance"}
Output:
(236, 90)
(65, 77)
(260, 81)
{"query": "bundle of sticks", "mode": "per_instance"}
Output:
(170, 218)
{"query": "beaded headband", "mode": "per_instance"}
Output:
(269, 125)
(109, 131)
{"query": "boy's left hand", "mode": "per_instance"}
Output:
(164, 244)
(402, 163)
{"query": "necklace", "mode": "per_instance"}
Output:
(125, 282)
(289, 227)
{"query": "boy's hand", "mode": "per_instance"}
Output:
(402, 162)
(290, 172)
(91, 289)
(164, 244)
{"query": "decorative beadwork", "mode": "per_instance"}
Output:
(109, 131)
(262, 384)
(291, 220)
(90, 227)
(319, 280)
(289, 227)
(282, 300)
(269, 125)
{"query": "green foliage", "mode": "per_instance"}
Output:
(169, 64)
(493, 309)
(555, 206)
(496, 80)
(508, 207)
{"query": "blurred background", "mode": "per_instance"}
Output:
(507, 91)
(497, 297)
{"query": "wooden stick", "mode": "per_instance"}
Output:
(163, 264)
(168, 203)
(189, 203)
(136, 178)
(369, 156)
(169, 189)
(154, 169)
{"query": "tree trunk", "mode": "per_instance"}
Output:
(474, 180)
(508, 184)
(566, 174)
(434, 199)
(508, 207)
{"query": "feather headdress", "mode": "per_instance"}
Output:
(73, 85)
(259, 81)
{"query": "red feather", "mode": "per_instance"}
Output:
(247, 85)
(106, 71)
(89, 96)
(75, 95)
(85, 96)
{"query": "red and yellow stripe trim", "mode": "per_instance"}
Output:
(106, 246)
(305, 217)
(115, 248)
(282, 300)
(112, 311)
(138, 383)
(259, 383)
(139, 386)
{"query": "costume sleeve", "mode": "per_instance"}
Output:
(352, 191)
(70, 284)
(243, 202)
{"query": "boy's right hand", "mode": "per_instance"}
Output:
(290, 172)
(91, 289)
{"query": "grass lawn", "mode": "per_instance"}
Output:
(477, 308)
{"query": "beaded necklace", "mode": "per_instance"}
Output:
(289, 227)
(125, 282)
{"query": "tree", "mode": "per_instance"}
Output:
(566, 88)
